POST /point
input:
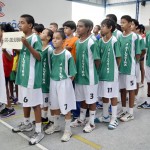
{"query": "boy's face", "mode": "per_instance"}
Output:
(57, 40)
(24, 26)
(81, 29)
(44, 35)
(105, 30)
(53, 28)
(95, 30)
(133, 26)
(67, 31)
(125, 25)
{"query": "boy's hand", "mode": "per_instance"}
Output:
(72, 78)
(69, 48)
(25, 42)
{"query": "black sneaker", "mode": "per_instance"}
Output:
(43, 120)
(47, 125)
(8, 113)
(4, 110)
(143, 105)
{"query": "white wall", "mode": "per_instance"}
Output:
(83, 11)
(130, 9)
(43, 11)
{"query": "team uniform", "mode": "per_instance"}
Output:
(130, 47)
(46, 74)
(117, 33)
(3, 97)
(147, 74)
(29, 74)
(86, 80)
(142, 47)
(108, 71)
(61, 89)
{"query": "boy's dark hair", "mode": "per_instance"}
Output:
(50, 33)
(29, 19)
(39, 28)
(54, 24)
(109, 23)
(7, 27)
(70, 24)
(119, 27)
(98, 26)
(135, 22)
(61, 33)
(127, 17)
(113, 17)
(141, 28)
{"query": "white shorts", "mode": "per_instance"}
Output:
(30, 97)
(62, 95)
(147, 74)
(45, 100)
(127, 82)
(87, 93)
(108, 89)
(137, 73)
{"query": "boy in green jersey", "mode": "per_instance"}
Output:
(86, 80)
(130, 53)
(134, 26)
(29, 78)
(110, 58)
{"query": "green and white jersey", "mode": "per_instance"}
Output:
(46, 68)
(117, 33)
(29, 72)
(130, 47)
(109, 51)
(62, 65)
(142, 43)
(148, 49)
(86, 52)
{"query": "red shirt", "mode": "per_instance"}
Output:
(8, 64)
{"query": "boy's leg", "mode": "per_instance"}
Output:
(55, 127)
(114, 122)
(67, 133)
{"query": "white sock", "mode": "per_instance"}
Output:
(56, 120)
(38, 127)
(124, 109)
(67, 125)
(92, 117)
(44, 114)
(82, 114)
(131, 111)
(26, 120)
(114, 111)
(105, 109)
(51, 118)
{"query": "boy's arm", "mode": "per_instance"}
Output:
(143, 53)
(118, 59)
(31, 49)
(9, 57)
(97, 63)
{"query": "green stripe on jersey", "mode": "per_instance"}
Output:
(62, 65)
(86, 53)
(130, 46)
(29, 73)
(46, 68)
(148, 49)
(109, 50)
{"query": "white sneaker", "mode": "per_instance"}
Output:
(88, 128)
(102, 119)
(77, 123)
(113, 124)
(141, 85)
(23, 128)
(121, 114)
(36, 138)
(127, 117)
(66, 136)
(52, 129)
